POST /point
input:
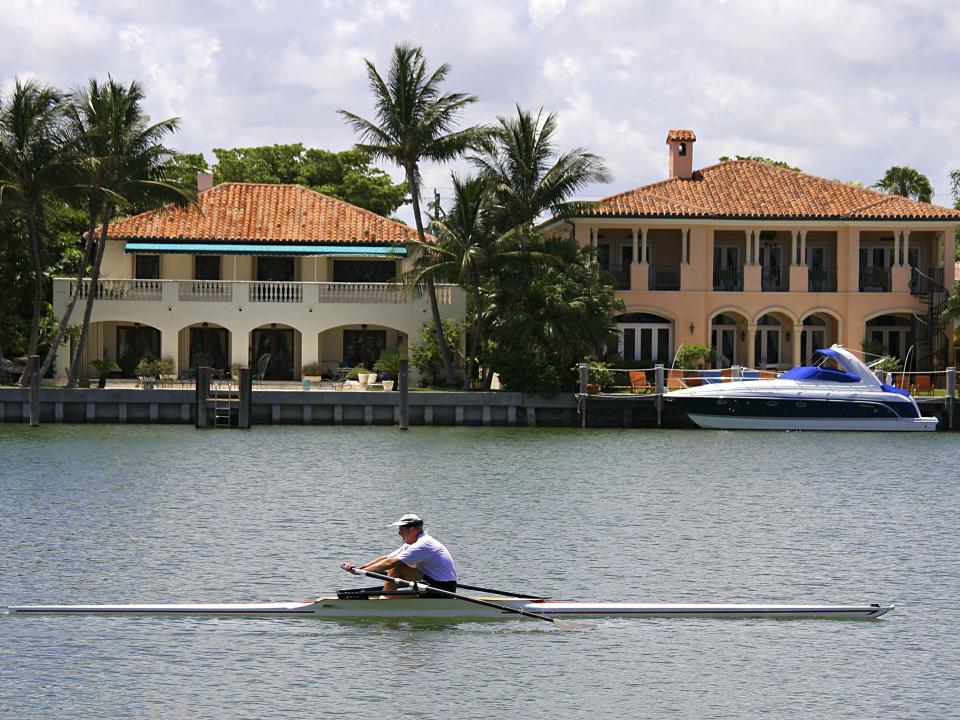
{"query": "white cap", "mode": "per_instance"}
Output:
(407, 520)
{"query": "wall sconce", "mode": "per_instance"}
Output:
(691, 328)
(205, 326)
(273, 326)
(788, 336)
(743, 335)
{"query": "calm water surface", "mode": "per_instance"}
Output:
(127, 514)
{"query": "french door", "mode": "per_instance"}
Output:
(645, 342)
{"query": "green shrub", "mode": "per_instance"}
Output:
(389, 362)
(694, 357)
(312, 369)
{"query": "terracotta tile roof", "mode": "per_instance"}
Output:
(681, 136)
(752, 190)
(251, 212)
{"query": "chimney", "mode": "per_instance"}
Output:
(681, 153)
(204, 181)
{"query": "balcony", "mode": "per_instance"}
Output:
(664, 277)
(822, 279)
(875, 279)
(237, 291)
(727, 278)
(775, 279)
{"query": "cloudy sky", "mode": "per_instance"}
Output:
(840, 88)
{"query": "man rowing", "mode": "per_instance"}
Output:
(421, 557)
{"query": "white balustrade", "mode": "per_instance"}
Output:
(123, 290)
(361, 292)
(276, 292)
(206, 291)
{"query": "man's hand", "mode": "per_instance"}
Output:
(348, 567)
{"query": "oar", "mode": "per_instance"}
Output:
(557, 622)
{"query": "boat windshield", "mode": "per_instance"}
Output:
(819, 374)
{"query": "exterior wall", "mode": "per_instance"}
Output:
(846, 309)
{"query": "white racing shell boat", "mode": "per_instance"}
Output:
(374, 607)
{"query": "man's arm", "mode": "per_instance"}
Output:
(384, 562)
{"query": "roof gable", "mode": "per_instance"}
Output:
(750, 189)
(256, 212)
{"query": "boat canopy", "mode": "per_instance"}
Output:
(819, 374)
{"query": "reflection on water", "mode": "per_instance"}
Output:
(138, 514)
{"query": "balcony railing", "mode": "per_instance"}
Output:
(664, 277)
(775, 279)
(875, 279)
(923, 283)
(727, 279)
(620, 276)
(122, 289)
(276, 292)
(206, 291)
(822, 279)
(259, 292)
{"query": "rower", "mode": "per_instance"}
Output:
(421, 557)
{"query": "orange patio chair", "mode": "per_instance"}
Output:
(768, 374)
(675, 380)
(922, 384)
(638, 382)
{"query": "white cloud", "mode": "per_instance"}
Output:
(542, 12)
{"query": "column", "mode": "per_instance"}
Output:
(751, 346)
(170, 344)
(638, 271)
(906, 248)
(644, 259)
(797, 360)
(756, 247)
(240, 346)
(636, 260)
(896, 249)
(793, 248)
(684, 241)
(803, 247)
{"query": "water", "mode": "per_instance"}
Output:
(167, 514)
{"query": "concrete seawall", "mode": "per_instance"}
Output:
(296, 407)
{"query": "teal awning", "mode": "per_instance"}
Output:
(265, 249)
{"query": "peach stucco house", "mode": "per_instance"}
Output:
(765, 264)
(251, 271)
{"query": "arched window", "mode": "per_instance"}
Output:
(812, 337)
(767, 345)
(645, 337)
(723, 340)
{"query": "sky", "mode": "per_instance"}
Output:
(840, 88)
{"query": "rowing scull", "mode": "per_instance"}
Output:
(444, 608)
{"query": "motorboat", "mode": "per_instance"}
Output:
(848, 396)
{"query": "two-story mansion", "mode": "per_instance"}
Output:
(252, 271)
(765, 264)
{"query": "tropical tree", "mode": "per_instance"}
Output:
(33, 170)
(415, 122)
(758, 158)
(528, 175)
(123, 166)
(906, 182)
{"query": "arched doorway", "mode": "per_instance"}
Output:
(134, 342)
(208, 345)
(277, 348)
(768, 343)
(724, 340)
(890, 335)
(814, 336)
(645, 337)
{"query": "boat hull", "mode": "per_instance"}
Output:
(444, 608)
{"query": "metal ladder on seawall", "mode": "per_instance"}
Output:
(224, 394)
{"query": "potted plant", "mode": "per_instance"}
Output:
(312, 372)
(104, 367)
(388, 365)
(148, 371)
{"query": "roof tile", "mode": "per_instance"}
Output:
(253, 212)
(749, 189)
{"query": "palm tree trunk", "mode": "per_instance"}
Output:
(91, 297)
(71, 303)
(37, 293)
(475, 340)
(445, 355)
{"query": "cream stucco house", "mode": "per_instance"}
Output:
(254, 270)
(765, 264)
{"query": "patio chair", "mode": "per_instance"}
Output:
(338, 380)
(639, 382)
(262, 362)
(922, 384)
(675, 380)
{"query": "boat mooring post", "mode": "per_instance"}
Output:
(33, 367)
(584, 379)
(203, 392)
(245, 387)
(404, 384)
(735, 373)
(951, 391)
(658, 390)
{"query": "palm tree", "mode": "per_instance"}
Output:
(906, 182)
(32, 171)
(529, 177)
(415, 122)
(123, 166)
